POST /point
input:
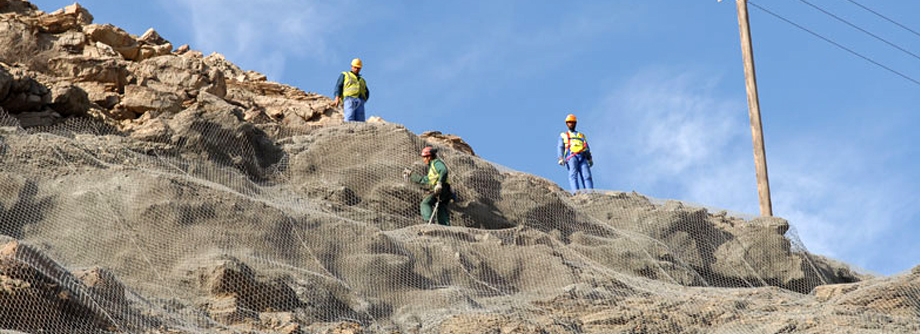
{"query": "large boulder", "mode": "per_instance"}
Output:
(187, 75)
(68, 99)
(64, 19)
(71, 42)
(152, 45)
(141, 99)
(82, 68)
(150, 51)
(120, 40)
(760, 254)
(151, 37)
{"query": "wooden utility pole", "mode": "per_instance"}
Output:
(750, 79)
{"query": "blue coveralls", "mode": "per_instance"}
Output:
(577, 165)
(354, 109)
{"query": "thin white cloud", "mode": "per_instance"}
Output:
(261, 35)
(671, 135)
(840, 210)
(673, 132)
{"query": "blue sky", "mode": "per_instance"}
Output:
(658, 87)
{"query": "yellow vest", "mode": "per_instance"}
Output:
(353, 86)
(433, 174)
(573, 144)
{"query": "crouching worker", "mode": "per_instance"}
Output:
(439, 188)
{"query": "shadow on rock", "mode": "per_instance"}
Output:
(26, 209)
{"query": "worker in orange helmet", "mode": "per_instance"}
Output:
(433, 206)
(575, 155)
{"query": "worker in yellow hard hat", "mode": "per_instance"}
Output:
(351, 89)
(575, 155)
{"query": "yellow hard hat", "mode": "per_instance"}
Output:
(356, 62)
(570, 118)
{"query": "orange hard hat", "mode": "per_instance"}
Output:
(570, 118)
(427, 151)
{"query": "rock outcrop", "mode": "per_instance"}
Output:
(125, 76)
(449, 140)
(36, 294)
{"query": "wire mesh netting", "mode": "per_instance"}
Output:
(221, 228)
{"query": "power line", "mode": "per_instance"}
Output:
(836, 44)
(860, 29)
(886, 18)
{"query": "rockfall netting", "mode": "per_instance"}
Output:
(208, 224)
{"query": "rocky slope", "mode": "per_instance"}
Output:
(60, 64)
(151, 190)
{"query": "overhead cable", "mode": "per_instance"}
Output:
(915, 81)
(860, 29)
(886, 18)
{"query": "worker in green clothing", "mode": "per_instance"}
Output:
(437, 182)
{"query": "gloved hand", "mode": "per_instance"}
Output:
(590, 163)
(437, 189)
(406, 173)
(561, 162)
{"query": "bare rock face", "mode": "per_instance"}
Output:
(449, 140)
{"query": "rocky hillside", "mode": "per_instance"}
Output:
(58, 65)
(150, 189)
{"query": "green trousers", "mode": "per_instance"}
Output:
(427, 207)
